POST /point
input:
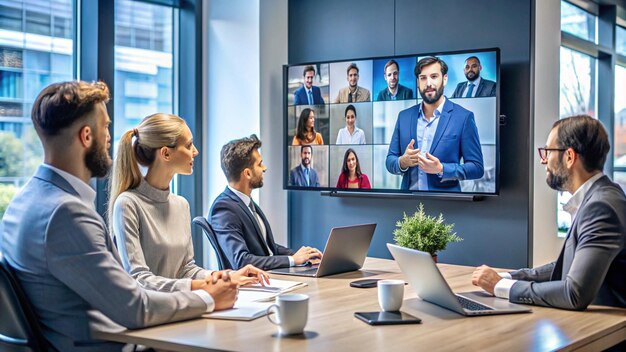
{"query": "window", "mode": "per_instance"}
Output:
(144, 76)
(578, 80)
(25, 69)
(578, 22)
(620, 41)
(577, 83)
(619, 141)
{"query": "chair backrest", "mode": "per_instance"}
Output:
(19, 328)
(222, 261)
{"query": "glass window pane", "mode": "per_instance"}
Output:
(11, 17)
(577, 96)
(620, 40)
(577, 83)
(620, 178)
(619, 150)
(578, 22)
(24, 72)
(143, 63)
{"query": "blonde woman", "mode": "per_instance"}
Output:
(152, 226)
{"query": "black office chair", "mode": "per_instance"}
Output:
(222, 261)
(19, 328)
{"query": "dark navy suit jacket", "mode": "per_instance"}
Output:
(456, 137)
(486, 88)
(240, 237)
(297, 177)
(300, 98)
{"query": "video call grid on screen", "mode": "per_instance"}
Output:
(376, 116)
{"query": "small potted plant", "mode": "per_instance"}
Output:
(424, 232)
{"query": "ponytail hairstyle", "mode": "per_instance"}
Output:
(153, 133)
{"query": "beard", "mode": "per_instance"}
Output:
(256, 182)
(438, 94)
(98, 160)
(471, 76)
(306, 162)
(558, 179)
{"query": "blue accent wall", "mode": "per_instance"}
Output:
(495, 230)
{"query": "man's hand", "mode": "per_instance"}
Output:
(430, 164)
(223, 290)
(305, 254)
(410, 157)
(486, 278)
(250, 274)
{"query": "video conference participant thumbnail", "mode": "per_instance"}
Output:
(350, 134)
(304, 175)
(351, 175)
(353, 93)
(394, 90)
(429, 157)
(308, 94)
(305, 129)
(475, 86)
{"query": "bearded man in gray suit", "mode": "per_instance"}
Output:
(591, 266)
(59, 246)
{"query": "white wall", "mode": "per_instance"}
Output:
(545, 66)
(273, 45)
(245, 48)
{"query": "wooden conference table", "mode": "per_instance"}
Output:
(333, 327)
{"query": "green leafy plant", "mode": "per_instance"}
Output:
(424, 232)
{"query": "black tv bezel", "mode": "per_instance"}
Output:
(386, 192)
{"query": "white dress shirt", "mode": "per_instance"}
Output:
(503, 287)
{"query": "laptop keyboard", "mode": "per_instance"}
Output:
(471, 305)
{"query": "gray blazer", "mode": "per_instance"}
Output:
(591, 266)
(486, 88)
(66, 261)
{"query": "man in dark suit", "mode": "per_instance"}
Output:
(475, 86)
(308, 94)
(242, 230)
(394, 90)
(59, 246)
(304, 175)
(592, 263)
(430, 139)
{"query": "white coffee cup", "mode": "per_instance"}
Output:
(291, 313)
(390, 294)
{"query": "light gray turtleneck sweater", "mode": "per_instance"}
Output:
(152, 229)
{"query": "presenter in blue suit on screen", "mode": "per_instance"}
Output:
(591, 266)
(304, 175)
(475, 86)
(242, 230)
(430, 139)
(308, 94)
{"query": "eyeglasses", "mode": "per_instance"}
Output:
(543, 152)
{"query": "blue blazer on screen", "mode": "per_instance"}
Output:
(240, 236)
(297, 177)
(300, 98)
(456, 137)
(486, 88)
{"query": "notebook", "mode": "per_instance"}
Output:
(241, 311)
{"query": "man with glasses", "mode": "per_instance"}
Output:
(590, 268)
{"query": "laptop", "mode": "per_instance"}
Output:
(423, 275)
(345, 251)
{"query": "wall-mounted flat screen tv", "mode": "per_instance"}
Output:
(405, 124)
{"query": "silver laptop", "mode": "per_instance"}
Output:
(345, 251)
(424, 276)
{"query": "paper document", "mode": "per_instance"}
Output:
(258, 293)
(241, 311)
